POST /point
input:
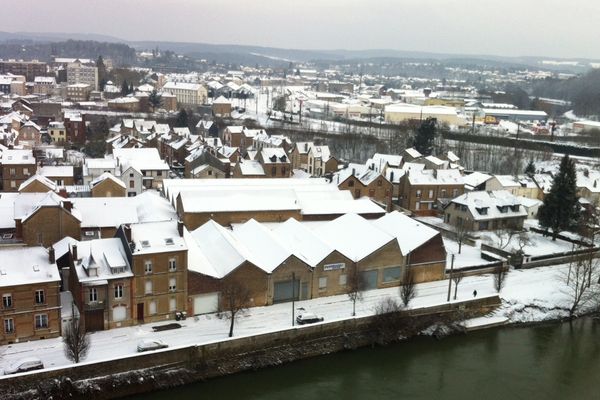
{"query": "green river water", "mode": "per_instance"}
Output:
(554, 361)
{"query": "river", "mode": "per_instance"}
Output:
(554, 361)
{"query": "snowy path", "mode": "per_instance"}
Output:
(539, 287)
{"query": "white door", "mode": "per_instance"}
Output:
(206, 303)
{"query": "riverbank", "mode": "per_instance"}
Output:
(528, 296)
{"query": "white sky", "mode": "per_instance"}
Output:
(557, 28)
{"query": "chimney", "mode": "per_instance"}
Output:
(51, 255)
(180, 227)
(62, 192)
(68, 205)
(127, 231)
(74, 252)
(392, 176)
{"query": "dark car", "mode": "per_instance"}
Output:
(308, 318)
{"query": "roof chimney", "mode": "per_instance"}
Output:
(51, 255)
(68, 205)
(74, 252)
(127, 231)
(180, 228)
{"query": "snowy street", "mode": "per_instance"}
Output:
(540, 287)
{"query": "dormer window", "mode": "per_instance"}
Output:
(482, 210)
(169, 241)
(145, 243)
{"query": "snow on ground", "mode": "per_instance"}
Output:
(529, 295)
(469, 256)
(535, 244)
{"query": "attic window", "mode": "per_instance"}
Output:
(145, 243)
(273, 158)
(482, 211)
(282, 158)
(169, 241)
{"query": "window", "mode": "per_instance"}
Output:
(356, 193)
(118, 291)
(418, 194)
(7, 301)
(172, 264)
(443, 193)
(283, 170)
(431, 194)
(273, 171)
(209, 172)
(148, 287)
(391, 274)
(39, 297)
(454, 192)
(148, 267)
(9, 325)
(379, 182)
(13, 184)
(158, 173)
(13, 172)
(343, 280)
(172, 304)
(152, 308)
(351, 183)
(172, 284)
(131, 184)
(131, 175)
(323, 283)
(93, 295)
(25, 171)
(371, 192)
(41, 321)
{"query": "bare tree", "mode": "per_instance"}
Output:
(76, 340)
(456, 278)
(500, 273)
(355, 286)
(236, 299)
(387, 320)
(581, 285)
(462, 231)
(408, 290)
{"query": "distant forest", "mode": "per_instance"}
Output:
(121, 54)
(583, 92)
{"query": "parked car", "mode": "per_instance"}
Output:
(151, 344)
(308, 318)
(24, 365)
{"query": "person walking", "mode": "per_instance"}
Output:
(475, 293)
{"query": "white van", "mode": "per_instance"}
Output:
(24, 365)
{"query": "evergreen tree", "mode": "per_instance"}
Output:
(423, 140)
(155, 99)
(560, 210)
(530, 168)
(182, 119)
(124, 88)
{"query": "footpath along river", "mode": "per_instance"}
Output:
(552, 361)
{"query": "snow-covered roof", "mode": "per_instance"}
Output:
(41, 179)
(475, 179)
(251, 168)
(101, 260)
(221, 100)
(143, 159)
(26, 266)
(488, 205)
(302, 242)
(18, 157)
(105, 176)
(182, 86)
(101, 163)
(274, 155)
(353, 236)
(62, 171)
(98, 212)
(410, 233)
(265, 250)
(156, 237)
(435, 177)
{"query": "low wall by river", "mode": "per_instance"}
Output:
(168, 368)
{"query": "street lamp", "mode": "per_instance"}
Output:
(293, 297)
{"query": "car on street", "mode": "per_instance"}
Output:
(308, 318)
(151, 344)
(24, 365)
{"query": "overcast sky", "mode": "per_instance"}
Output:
(560, 28)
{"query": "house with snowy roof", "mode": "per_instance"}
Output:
(108, 185)
(62, 175)
(100, 280)
(486, 210)
(362, 181)
(30, 135)
(158, 256)
(422, 191)
(221, 107)
(17, 167)
(249, 169)
(145, 160)
(207, 128)
(275, 162)
(38, 184)
(30, 287)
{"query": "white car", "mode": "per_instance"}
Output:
(24, 365)
(151, 344)
(308, 318)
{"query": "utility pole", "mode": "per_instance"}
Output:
(450, 277)
(293, 297)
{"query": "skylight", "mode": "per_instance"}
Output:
(145, 243)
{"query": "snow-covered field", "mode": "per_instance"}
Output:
(529, 295)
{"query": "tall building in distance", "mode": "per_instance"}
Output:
(78, 72)
(30, 69)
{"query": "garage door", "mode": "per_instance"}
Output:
(370, 279)
(206, 303)
(94, 320)
(282, 291)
